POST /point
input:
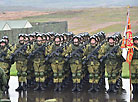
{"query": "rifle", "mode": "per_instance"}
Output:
(76, 51)
(23, 47)
(92, 54)
(41, 48)
(4, 53)
(57, 51)
(113, 50)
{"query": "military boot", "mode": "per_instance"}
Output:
(134, 88)
(28, 83)
(24, 86)
(20, 87)
(7, 88)
(96, 87)
(41, 86)
(110, 88)
(114, 90)
(37, 86)
(32, 81)
(92, 88)
(46, 82)
(56, 87)
(78, 87)
(59, 87)
(137, 87)
(74, 87)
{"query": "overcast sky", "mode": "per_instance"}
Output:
(57, 3)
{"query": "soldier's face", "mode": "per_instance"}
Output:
(31, 38)
(111, 41)
(93, 42)
(21, 39)
(76, 41)
(44, 40)
(136, 42)
(57, 41)
(26, 40)
(39, 40)
(2, 44)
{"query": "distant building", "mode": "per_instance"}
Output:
(4, 26)
(14, 24)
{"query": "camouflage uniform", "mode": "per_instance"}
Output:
(93, 68)
(57, 65)
(48, 69)
(111, 65)
(39, 67)
(76, 66)
(5, 62)
(134, 69)
(30, 68)
(21, 67)
(3, 81)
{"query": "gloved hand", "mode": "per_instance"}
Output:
(84, 61)
(115, 51)
(3, 54)
(60, 50)
(80, 50)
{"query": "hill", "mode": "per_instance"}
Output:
(92, 19)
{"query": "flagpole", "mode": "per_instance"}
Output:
(130, 76)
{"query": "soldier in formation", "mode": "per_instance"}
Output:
(49, 58)
(134, 66)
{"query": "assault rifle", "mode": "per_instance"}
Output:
(95, 51)
(57, 51)
(23, 47)
(76, 52)
(41, 48)
(113, 50)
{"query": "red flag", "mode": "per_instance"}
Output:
(129, 55)
(129, 40)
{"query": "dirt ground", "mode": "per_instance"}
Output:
(19, 14)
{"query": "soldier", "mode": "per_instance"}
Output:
(57, 54)
(20, 57)
(3, 82)
(120, 60)
(109, 56)
(11, 48)
(47, 38)
(38, 57)
(48, 69)
(75, 55)
(5, 60)
(29, 40)
(93, 64)
(52, 34)
(134, 66)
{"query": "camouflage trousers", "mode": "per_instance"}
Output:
(76, 70)
(39, 69)
(113, 73)
(30, 70)
(6, 67)
(21, 67)
(134, 71)
(94, 72)
(57, 68)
